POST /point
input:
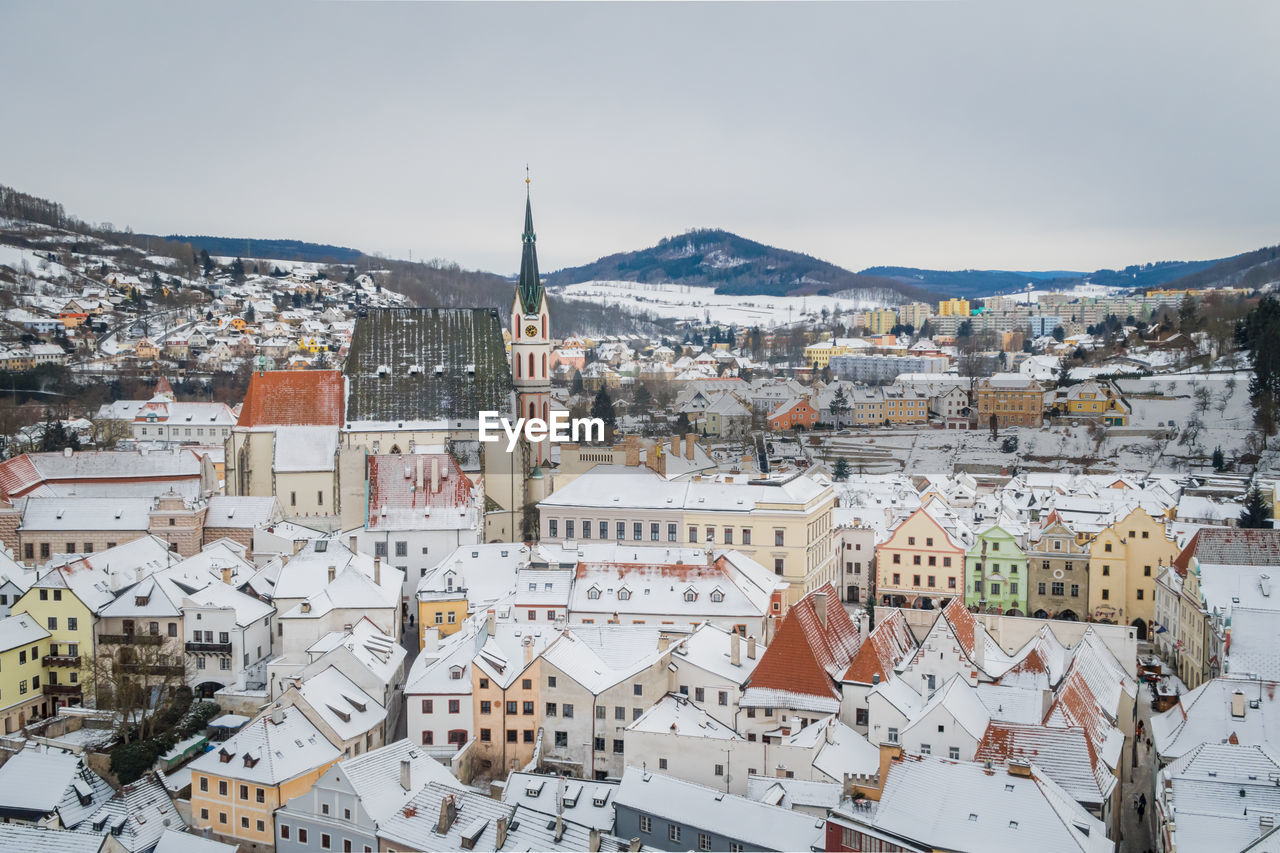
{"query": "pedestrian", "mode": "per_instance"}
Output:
(1142, 806)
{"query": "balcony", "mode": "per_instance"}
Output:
(61, 660)
(61, 689)
(131, 639)
(165, 669)
(209, 648)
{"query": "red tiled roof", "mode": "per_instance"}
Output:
(1231, 546)
(1054, 748)
(1032, 664)
(962, 624)
(883, 650)
(390, 487)
(294, 398)
(805, 657)
(18, 476)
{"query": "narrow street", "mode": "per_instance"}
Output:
(408, 639)
(1138, 836)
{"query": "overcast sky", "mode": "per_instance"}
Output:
(1021, 135)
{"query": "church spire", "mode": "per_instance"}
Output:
(530, 289)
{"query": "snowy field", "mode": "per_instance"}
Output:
(682, 302)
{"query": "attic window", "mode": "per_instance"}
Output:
(717, 596)
(322, 546)
(141, 600)
(383, 371)
(593, 593)
(624, 595)
(690, 595)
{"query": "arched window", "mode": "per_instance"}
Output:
(395, 449)
(544, 325)
(531, 371)
(533, 410)
(518, 363)
(544, 365)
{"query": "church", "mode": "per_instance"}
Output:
(414, 379)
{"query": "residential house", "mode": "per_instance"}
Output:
(797, 413)
(922, 563)
(1011, 398)
(22, 642)
(1057, 572)
(996, 573)
(1124, 561)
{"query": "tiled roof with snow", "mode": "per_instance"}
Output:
(807, 656)
(676, 715)
(427, 364)
(269, 752)
(401, 495)
(882, 651)
(1066, 756)
(293, 398)
(1216, 794)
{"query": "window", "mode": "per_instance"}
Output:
(402, 549)
(951, 583)
(893, 735)
(723, 697)
(646, 822)
(526, 708)
(946, 562)
(1146, 571)
(586, 529)
(653, 531)
(526, 684)
(598, 744)
(897, 579)
(302, 835)
(933, 561)
(911, 540)
(926, 749)
(600, 712)
(897, 558)
(619, 712)
(380, 548)
(746, 536)
(1013, 588)
(551, 709)
(860, 717)
(977, 586)
(553, 528)
(671, 533)
(486, 707)
(621, 530)
(222, 788)
(953, 752)
(244, 793)
(698, 693)
(778, 536)
(915, 580)
(617, 746)
(673, 832)
(486, 735)
(1075, 590)
(1040, 588)
(1140, 594)
(693, 533)
(512, 707)
(637, 531)
(562, 739)
(1107, 547)
(1058, 588)
(454, 706)
(293, 499)
(528, 735)
(566, 710)
(428, 738)
(484, 684)
(915, 559)
(1106, 595)
(512, 736)
(995, 588)
(284, 830)
(604, 530)
(719, 770)
(777, 565)
(568, 528)
(324, 841)
(53, 623)
(204, 783)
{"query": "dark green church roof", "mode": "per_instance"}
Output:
(530, 288)
(427, 364)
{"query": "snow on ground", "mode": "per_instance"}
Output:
(683, 302)
(36, 264)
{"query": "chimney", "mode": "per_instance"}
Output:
(430, 639)
(633, 846)
(333, 572)
(593, 842)
(820, 607)
(435, 474)
(559, 828)
(306, 607)
(226, 575)
(664, 642)
(688, 445)
(864, 622)
(751, 647)
(1020, 768)
(351, 543)
(502, 833)
(528, 653)
(277, 716)
(377, 571)
(675, 445)
(735, 648)
(66, 451)
(448, 813)
(417, 464)
(490, 621)
(633, 452)
(406, 775)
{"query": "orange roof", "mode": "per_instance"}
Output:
(806, 657)
(390, 488)
(18, 476)
(294, 398)
(883, 650)
(962, 623)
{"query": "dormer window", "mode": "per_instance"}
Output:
(717, 596)
(593, 593)
(690, 595)
(624, 594)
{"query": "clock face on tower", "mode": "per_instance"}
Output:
(531, 331)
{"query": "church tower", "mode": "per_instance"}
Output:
(531, 339)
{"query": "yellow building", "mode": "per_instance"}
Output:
(882, 320)
(505, 695)
(235, 792)
(56, 604)
(819, 354)
(146, 350)
(22, 699)
(1095, 400)
(1124, 561)
(954, 308)
(444, 611)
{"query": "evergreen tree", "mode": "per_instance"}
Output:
(237, 269)
(576, 387)
(206, 262)
(602, 408)
(1188, 317)
(1219, 461)
(839, 405)
(1059, 334)
(1256, 513)
(643, 401)
(250, 315)
(841, 472)
(1259, 333)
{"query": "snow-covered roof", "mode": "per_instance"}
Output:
(340, 702)
(37, 781)
(270, 752)
(305, 448)
(20, 630)
(761, 826)
(76, 513)
(676, 715)
(1217, 793)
